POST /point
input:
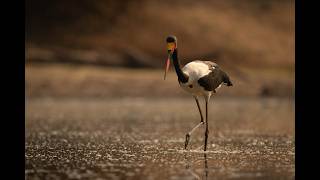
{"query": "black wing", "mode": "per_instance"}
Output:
(211, 81)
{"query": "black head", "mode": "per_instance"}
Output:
(171, 43)
(171, 39)
(172, 50)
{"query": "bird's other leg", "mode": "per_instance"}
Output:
(207, 129)
(189, 134)
(196, 127)
(197, 101)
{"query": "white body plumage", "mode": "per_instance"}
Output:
(196, 70)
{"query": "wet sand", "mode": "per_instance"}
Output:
(143, 138)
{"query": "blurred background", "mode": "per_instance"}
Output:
(117, 48)
(98, 108)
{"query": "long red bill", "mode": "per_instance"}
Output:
(166, 68)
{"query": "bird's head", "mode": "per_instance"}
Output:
(171, 47)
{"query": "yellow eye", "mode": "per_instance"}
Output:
(171, 46)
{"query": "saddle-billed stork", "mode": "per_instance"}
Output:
(200, 78)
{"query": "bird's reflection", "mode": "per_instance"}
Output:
(206, 165)
(194, 174)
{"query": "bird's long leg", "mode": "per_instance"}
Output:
(196, 127)
(207, 129)
(199, 109)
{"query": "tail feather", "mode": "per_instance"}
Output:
(226, 80)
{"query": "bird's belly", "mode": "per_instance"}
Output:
(193, 88)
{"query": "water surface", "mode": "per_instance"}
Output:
(138, 138)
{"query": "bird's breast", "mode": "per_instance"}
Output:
(192, 88)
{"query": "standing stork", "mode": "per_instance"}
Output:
(200, 78)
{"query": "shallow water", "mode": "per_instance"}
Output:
(126, 138)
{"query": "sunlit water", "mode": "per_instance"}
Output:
(144, 139)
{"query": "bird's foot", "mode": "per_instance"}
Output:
(187, 141)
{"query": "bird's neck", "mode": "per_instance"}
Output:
(181, 76)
